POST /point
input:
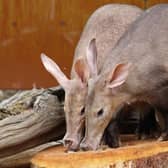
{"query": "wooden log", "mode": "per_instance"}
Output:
(29, 119)
(137, 154)
(22, 159)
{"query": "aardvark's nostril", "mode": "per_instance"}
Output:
(84, 147)
(71, 145)
(68, 142)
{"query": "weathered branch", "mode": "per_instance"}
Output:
(22, 159)
(29, 119)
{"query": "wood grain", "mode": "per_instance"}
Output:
(146, 154)
(29, 27)
(30, 118)
(150, 3)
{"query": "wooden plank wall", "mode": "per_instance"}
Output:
(29, 27)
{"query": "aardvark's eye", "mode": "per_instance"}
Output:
(82, 111)
(100, 112)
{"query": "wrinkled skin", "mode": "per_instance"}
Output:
(107, 24)
(75, 93)
(136, 69)
(98, 115)
(74, 131)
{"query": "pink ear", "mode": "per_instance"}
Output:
(55, 71)
(82, 70)
(91, 55)
(118, 75)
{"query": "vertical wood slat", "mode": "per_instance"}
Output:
(154, 2)
(29, 27)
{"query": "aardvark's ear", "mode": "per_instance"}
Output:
(91, 55)
(118, 75)
(82, 70)
(55, 71)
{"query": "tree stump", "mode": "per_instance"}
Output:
(133, 154)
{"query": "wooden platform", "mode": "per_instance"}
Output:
(133, 154)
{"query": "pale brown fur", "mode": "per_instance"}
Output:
(145, 46)
(106, 25)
